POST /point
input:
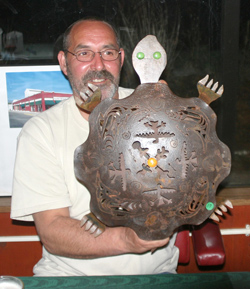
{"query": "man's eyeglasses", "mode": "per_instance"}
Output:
(88, 55)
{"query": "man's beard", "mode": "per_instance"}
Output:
(108, 90)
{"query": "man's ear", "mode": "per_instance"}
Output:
(62, 61)
(122, 56)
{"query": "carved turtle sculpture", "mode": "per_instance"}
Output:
(153, 161)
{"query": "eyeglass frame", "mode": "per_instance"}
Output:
(94, 53)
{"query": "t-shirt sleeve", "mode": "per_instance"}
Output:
(39, 181)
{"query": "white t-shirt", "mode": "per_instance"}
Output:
(44, 179)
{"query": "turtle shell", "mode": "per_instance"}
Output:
(152, 161)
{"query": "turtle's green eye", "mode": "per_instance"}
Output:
(157, 55)
(140, 55)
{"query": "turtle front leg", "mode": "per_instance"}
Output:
(92, 224)
(208, 91)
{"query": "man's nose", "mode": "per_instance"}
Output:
(97, 62)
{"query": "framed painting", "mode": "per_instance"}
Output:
(25, 91)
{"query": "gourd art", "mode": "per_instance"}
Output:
(153, 161)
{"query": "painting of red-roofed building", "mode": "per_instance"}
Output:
(39, 101)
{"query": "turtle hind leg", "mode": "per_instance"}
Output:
(92, 224)
(220, 210)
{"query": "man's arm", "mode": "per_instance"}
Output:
(62, 235)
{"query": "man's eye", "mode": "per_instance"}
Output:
(84, 53)
(108, 52)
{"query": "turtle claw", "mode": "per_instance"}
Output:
(88, 91)
(90, 97)
(223, 208)
(207, 91)
(92, 225)
(214, 218)
(220, 210)
(228, 204)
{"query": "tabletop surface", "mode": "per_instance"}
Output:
(237, 280)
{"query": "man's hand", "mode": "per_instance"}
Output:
(136, 245)
(62, 235)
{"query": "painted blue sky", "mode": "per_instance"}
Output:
(18, 82)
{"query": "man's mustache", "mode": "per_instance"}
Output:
(97, 74)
